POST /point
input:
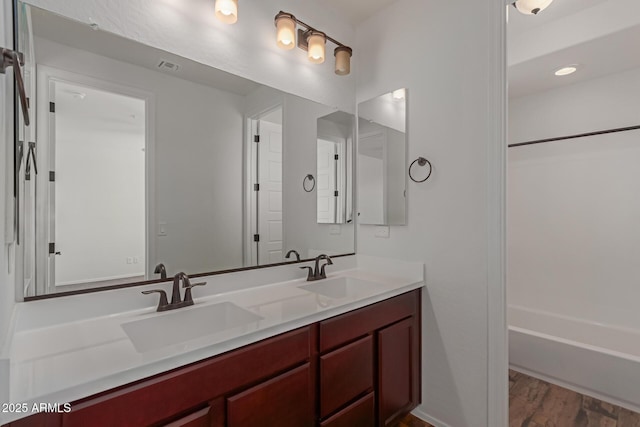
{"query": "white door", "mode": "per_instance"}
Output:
(270, 193)
(93, 213)
(326, 182)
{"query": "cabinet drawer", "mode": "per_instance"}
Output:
(197, 419)
(286, 400)
(160, 398)
(344, 374)
(349, 326)
(360, 413)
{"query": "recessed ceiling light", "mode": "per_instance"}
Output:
(565, 71)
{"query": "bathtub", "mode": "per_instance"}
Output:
(595, 359)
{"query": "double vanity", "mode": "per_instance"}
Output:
(258, 347)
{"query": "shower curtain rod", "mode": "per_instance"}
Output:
(561, 138)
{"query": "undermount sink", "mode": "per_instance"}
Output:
(342, 287)
(186, 324)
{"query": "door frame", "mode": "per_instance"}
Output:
(45, 76)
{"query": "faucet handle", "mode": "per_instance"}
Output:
(163, 304)
(188, 299)
(309, 274)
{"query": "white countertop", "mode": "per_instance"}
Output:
(73, 359)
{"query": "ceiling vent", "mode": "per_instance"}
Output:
(168, 66)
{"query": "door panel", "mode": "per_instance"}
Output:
(270, 193)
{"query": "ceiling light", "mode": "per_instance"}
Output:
(565, 71)
(286, 30)
(398, 94)
(311, 40)
(531, 7)
(227, 11)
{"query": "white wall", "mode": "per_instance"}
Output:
(604, 103)
(444, 54)
(198, 153)
(247, 48)
(573, 205)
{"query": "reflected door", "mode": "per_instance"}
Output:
(270, 193)
(95, 187)
(327, 182)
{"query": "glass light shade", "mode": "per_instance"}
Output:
(227, 11)
(532, 7)
(343, 60)
(316, 41)
(286, 31)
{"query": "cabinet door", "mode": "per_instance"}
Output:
(398, 370)
(359, 414)
(284, 401)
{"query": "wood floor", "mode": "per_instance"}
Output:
(535, 403)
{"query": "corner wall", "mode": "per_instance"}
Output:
(450, 57)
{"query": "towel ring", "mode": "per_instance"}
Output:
(305, 183)
(421, 162)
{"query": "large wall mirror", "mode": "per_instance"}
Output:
(149, 164)
(382, 159)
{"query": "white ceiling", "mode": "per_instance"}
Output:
(601, 36)
(357, 11)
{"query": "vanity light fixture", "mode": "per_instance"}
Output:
(565, 71)
(531, 7)
(227, 11)
(311, 40)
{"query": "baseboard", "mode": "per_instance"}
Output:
(428, 418)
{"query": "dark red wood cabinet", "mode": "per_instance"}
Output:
(360, 368)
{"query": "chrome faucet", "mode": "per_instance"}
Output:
(176, 299)
(318, 272)
(161, 270)
(293, 251)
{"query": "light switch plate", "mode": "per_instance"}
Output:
(382, 231)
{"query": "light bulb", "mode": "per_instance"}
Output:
(316, 41)
(227, 11)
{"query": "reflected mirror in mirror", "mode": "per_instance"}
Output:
(382, 159)
(151, 164)
(335, 142)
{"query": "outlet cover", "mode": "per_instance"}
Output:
(382, 231)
